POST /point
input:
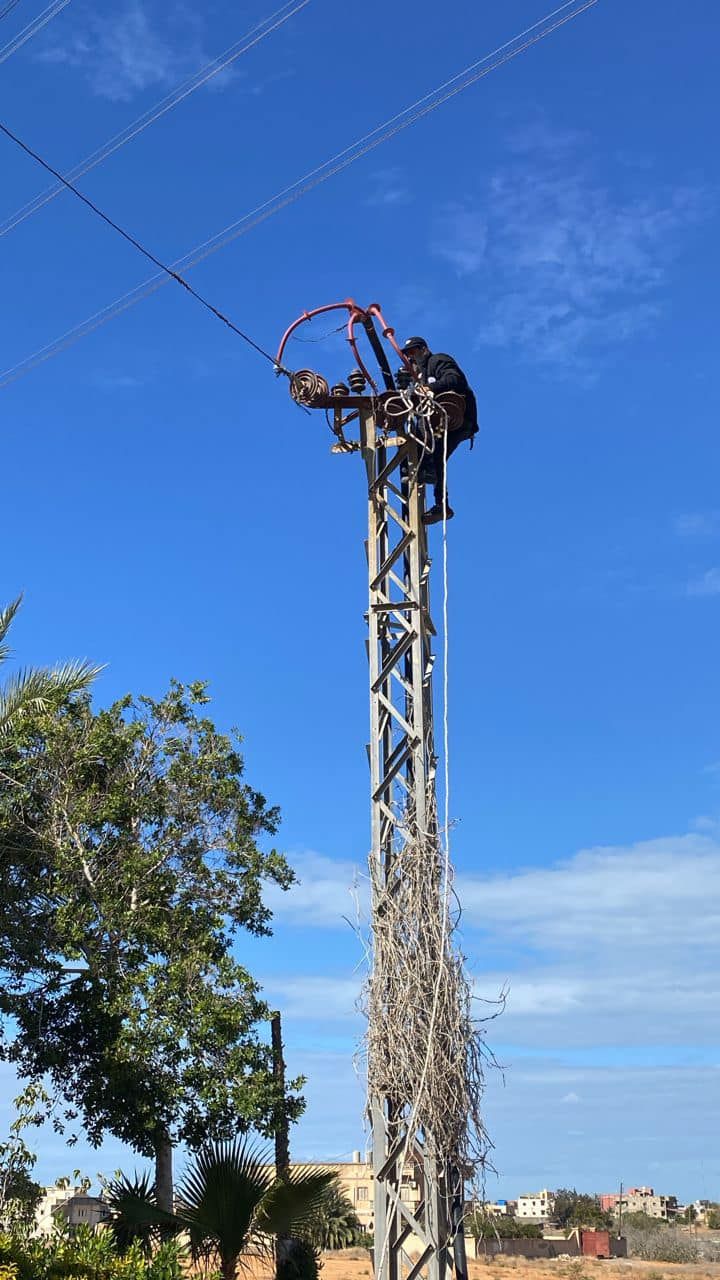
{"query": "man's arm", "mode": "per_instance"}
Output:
(445, 374)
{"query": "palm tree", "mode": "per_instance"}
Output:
(335, 1224)
(36, 688)
(228, 1201)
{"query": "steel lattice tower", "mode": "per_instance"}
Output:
(402, 777)
(402, 780)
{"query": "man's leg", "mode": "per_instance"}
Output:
(440, 453)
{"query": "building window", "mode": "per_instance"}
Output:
(362, 1193)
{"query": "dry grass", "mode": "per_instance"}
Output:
(353, 1265)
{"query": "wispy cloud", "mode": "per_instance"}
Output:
(569, 267)
(127, 51)
(330, 892)
(389, 187)
(708, 584)
(117, 381)
(615, 946)
(698, 524)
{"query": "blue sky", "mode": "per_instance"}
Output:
(169, 512)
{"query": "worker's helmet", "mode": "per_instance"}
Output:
(413, 344)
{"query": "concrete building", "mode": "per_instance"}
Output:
(538, 1206)
(641, 1200)
(68, 1204)
(357, 1183)
(499, 1208)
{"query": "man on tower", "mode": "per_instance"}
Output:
(438, 373)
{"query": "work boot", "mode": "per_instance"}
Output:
(436, 514)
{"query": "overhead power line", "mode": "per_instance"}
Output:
(8, 8)
(115, 226)
(213, 68)
(544, 27)
(32, 28)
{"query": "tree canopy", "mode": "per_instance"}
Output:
(132, 850)
(576, 1209)
(489, 1226)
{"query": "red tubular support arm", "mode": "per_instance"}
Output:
(347, 305)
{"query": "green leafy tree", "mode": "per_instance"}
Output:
(132, 842)
(335, 1224)
(36, 688)
(229, 1201)
(490, 1226)
(19, 1193)
(575, 1209)
(713, 1218)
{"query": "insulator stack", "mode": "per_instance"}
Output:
(340, 389)
(357, 381)
(403, 378)
(306, 386)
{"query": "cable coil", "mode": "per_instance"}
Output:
(306, 387)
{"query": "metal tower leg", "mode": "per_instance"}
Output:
(402, 769)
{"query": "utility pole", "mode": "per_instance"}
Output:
(283, 1243)
(282, 1128)
(403, 766)
(620, 1209)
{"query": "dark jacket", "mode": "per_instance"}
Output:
(442, 373)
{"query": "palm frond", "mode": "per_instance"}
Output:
(6, 617)
(135, 1213)
(40, 689)
(219, 1197)
(292, 1204)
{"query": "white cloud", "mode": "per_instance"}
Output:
(567, 265)
(708, 584)
(625, 896)
(332, 893)
(314, 998)
(614, 946)
(124, 52)
(570, 1099)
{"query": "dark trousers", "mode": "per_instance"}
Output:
(440, 452)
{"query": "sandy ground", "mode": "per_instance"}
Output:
(354, 1264)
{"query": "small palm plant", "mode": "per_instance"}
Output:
(229, 1202)
(36, 688)
(126, 1198)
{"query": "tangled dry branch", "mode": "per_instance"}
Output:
(424, 1041)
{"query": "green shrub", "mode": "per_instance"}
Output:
(84, 1254)
(661, 1246)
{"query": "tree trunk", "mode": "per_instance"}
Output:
(164, 1172)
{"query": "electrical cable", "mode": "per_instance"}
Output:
(32, 28)
(173, 275)
(12, 4)
(252, 37)
(341, 160)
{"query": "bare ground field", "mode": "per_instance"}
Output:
(355, 1264)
